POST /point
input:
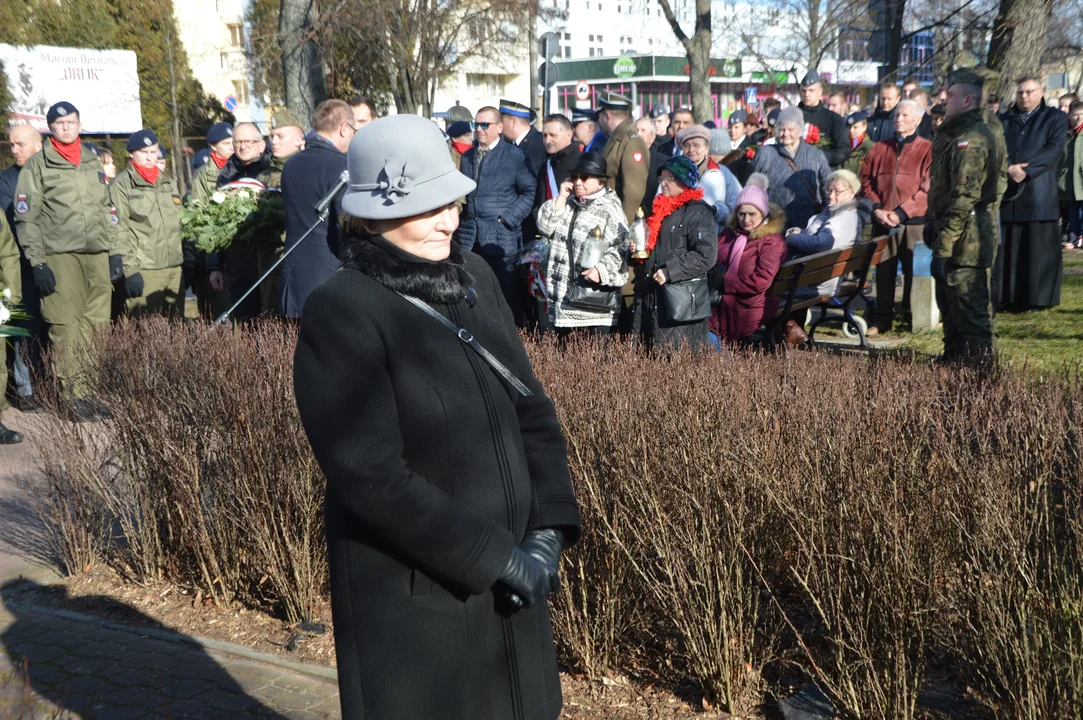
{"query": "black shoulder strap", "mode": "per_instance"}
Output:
(465, 335)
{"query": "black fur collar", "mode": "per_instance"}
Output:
(442, 283)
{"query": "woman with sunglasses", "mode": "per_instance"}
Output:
(577, 256)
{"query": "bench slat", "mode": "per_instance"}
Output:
(818, 268)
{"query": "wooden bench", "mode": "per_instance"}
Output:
(811, 270)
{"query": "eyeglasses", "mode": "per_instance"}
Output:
(65, 123)
(481, 126)
(246, 143)
(575, 177)
(352, 127)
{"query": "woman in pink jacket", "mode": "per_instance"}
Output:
(750, 251)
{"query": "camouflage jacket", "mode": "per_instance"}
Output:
(968, 179)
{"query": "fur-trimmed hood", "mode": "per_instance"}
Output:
(445, 283)
(775, 225)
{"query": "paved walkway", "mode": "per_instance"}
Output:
(62, 666)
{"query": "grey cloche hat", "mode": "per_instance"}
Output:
(400, 166)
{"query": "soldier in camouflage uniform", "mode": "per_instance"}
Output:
(966, 186)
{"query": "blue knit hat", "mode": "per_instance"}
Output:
(684, 170)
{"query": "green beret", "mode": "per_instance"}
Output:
(966, 76)
(286, 118)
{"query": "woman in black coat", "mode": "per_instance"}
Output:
(682, 241)
(448, 491)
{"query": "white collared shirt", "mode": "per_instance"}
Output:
(519, 140)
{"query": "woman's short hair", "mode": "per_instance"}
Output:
(847, 177)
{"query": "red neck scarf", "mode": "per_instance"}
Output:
(149, 174)
(461, 148)
(218, 160)
(854, 142)
(1078, 128)
(72, 152)
(663, 207)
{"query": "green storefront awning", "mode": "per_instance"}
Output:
(627, 67)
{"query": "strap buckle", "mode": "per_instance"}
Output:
(465, 336)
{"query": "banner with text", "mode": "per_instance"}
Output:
(102, 84)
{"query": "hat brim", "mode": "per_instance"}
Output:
(434, 193)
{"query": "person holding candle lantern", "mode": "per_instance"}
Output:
(588, 254)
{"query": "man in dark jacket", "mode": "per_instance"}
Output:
(882, 121)
(519, 131)
(494, 213)
(682, 118)
(625, 153)
(238, 262)
(1030, 262)
(645, 130)
(834, 137)
(306, 178)
(25, 143)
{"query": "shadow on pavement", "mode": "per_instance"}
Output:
(22, 531)
(110, 673)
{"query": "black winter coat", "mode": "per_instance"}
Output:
(1040, 142)
(534, 149)
(832, 129)
(306, 178)
(494, 213)
(687, 248)
(563, 163)
(881, 125)
(435, 470)
(657, 161)
(239, 260)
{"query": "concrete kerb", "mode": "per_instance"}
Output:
(314, 671)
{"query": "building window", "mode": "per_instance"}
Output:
(567, 36)
(223, 61)
(567, 51)
(236, 34)
(240, 91)
(591, 38)
(590, 52)
(618, 9)
(484, 85)
(600, 39)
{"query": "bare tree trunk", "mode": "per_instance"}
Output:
(896, 10)
(698, 49)
(302, 60)
(1018, 40)
(178, 155)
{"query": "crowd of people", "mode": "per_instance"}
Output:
(656, 227)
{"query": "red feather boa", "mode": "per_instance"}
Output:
(663, 207)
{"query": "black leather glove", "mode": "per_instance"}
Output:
(116, 268)
(928, 234)
(527, 578)
(716, 277)
(133, 285)
(44, 279)
(545, 546)
(938, 269)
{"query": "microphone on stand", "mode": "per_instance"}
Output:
(322, 205)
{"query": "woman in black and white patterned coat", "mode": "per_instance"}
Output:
(568, 220)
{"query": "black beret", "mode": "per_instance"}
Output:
(142, 139)
(857, 117)
(219, 132)
(458, 128)
(59, 110)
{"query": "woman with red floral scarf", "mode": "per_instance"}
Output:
(682, 242)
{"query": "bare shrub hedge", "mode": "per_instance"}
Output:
(749, 519)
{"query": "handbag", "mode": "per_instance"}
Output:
(688, 300)
(582, 293)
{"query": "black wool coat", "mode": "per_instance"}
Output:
(833, 129)
(564, 161)
(306, 178)
(534, 148)
(1040, 143)
(687, 248)
(435, 470)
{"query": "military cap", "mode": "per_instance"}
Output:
(938, 110)
(59, 110)
(658, 110)
(738, 116)
(162, 152)
(811, 78)
(614, 101)
(145, 138)
(966, 76)
(200, 159)
(219, 132)
(507, 107)
(855, 118)
(458, 112)
(582, 115)
(772, 117)
(286, 118)
(458, 129)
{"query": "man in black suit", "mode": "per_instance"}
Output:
(519, 130)
(835, 137)
(682, 118)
